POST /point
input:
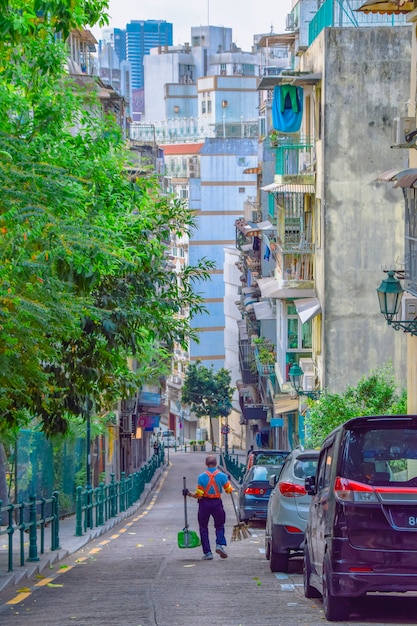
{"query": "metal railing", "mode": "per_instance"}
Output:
(95, 506)
(31, 517)
(234, 467)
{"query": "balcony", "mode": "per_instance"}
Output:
(294, 162)
(332, 13)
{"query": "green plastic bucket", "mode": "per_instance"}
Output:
(188, 539)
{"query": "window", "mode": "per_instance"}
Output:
(299, 336)
(241, 189)
(203, 106)
(208, 106)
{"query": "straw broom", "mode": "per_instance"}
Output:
(240, 530)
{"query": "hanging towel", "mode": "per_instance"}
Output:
(289, 98)
(267, 254)
(287, 108)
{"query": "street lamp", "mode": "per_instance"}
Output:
(296, 379)
(390, 293)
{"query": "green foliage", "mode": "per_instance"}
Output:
(84, 285)
(208, 393)
(375, 394)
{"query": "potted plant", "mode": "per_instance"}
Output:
(273, 138)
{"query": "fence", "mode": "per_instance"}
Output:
(32, 517)
(95, 506)
(234, 467)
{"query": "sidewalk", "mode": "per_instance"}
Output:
(69, 543)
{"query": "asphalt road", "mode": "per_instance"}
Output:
(136, 575)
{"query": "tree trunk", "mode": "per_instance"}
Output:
(3, 479)
(211, 433)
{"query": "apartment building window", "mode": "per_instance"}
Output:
(299, 336)
(184, 193)
(208, 106)
(203, 106)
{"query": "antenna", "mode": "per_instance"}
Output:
(208, 12)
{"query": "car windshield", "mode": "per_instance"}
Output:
(305, 467)
(381, 456)
(259, 472)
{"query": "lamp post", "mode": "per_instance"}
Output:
(390, 293)
(296, 379)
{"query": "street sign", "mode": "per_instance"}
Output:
(225, 430)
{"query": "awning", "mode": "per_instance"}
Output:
(254, 228)
(285, 404)
(387, 6)
(406, 181)
(289, 188)
(307, 308)
(263, 311)
(271, 288)
(270, 80)
(390, 175)
(252, 170)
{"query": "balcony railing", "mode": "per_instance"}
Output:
(295, 161)
(344, 14)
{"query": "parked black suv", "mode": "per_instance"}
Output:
(361, 532)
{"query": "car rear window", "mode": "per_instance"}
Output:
(305, 467)
(381, 456)
(263, 473)
(269, 459)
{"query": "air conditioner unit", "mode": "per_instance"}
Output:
(289, 22)
(307, 365)
(402, 126)
(408, 309)
(309, 382)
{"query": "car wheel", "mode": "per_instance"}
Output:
(278, 561)
(336, 608)
(267, 549)
(309, 591)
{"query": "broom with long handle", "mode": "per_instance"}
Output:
(240, 530)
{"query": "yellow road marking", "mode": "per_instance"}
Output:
(103, 543)
(19, 598)
(94, 550)
(43, 582)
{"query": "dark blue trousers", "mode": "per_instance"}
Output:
(211, 507)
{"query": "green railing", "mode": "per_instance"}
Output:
(95, 506)
(293, 157)
(343, 14)
(234, 467)
(33, 517)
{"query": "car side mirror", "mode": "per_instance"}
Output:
(273, 480)
(310, 485)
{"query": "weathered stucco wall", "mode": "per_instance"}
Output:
(366, 77)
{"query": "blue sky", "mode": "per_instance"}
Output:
(245, 17)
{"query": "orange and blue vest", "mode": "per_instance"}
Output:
(211, 483)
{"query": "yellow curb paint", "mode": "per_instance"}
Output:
(19, 598)
(95, 551)
(114, 536)
(103, 543)
(122, 530)
(41, 583)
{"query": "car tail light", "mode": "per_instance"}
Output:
(352, 491)
(293, 529)
(361, 569)
(290, 490)
(255, 491)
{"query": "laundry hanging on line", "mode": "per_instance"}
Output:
(287, 108)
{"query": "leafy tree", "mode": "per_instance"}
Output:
(376, 394)
(83, 276)
(208, 393)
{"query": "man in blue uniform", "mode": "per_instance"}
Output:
(210, 485)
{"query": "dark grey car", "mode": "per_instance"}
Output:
(361, 532)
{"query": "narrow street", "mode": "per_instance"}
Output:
(136, 575)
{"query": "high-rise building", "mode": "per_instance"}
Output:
(141, 36)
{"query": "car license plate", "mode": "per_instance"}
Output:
(404, 517)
